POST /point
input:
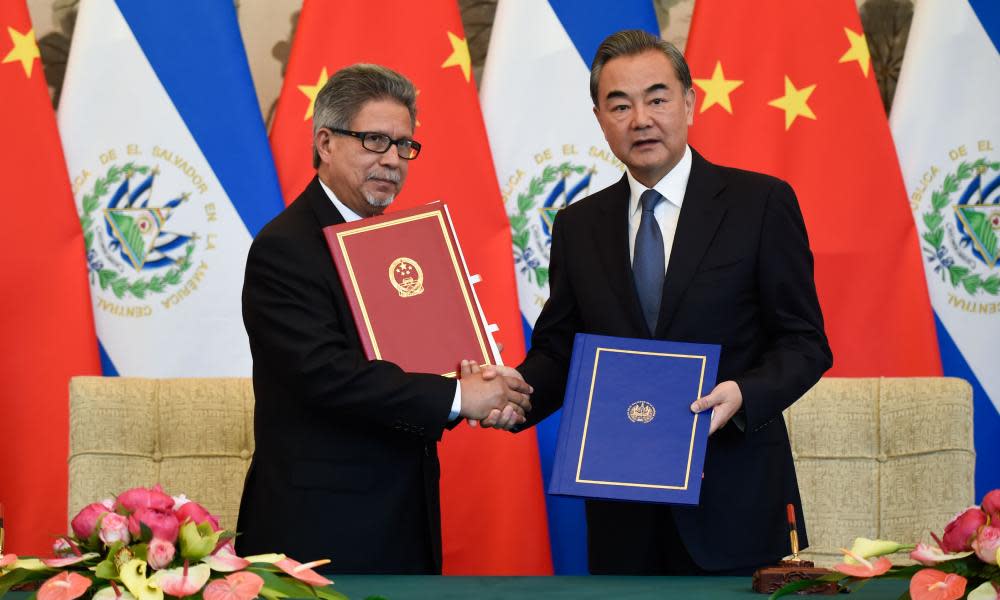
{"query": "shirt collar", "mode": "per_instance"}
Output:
(671, 186)
(348, 214)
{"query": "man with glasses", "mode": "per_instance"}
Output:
(346, 463)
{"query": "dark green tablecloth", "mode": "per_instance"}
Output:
(399, 587)
(357, 587)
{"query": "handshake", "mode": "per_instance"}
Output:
(494, 396)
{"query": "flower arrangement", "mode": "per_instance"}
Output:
(147, 545)
(965, 563)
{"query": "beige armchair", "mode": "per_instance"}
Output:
(193, 436)
(881, 458)
(889, 458)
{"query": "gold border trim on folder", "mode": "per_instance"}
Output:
(694, 424)
(341, 235)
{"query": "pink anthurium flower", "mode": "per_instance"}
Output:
(182, 581)
(862, 567)
(304, 571)
(224, 561)
(929, 556)
(238, 586)
(65, 561)
(7, 559)
(139, 498)
(931, 584)
(63, 586)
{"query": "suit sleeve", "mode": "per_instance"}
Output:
(300, 343)
(547, 364)
(796, 353)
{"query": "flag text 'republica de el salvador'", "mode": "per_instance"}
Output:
(172, 177)
(946, 124)
(549, 152)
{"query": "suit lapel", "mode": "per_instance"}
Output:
(611, 237)
(321, 205)
(700, 216)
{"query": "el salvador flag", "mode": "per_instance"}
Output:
(947, 131)
(172, 176)
(549, 152)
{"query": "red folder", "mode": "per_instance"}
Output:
(409, 289)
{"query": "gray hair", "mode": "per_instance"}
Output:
(348, 89)
(629, 43)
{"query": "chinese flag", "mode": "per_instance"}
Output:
(787, 88)
(46, 322)
(492, 508)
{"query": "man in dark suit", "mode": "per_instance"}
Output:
(346, 462)
(738, 272)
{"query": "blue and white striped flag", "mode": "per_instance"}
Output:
(549, 152)
(947, 130)
(172, 177)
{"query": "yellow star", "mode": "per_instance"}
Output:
(459, 55)
(717, 89)
(311, 91)
(858, 51)
(794, 102)
(25, 49)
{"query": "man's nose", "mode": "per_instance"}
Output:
(640, 117)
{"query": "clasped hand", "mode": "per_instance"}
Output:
(496, 396)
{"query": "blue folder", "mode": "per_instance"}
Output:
(627, 430)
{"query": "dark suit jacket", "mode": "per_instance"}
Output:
(740, 275)
(346, 463)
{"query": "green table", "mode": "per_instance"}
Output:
(403, 587)
(400, 587)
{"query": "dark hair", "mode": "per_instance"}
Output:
(348, 89)
(629, 43)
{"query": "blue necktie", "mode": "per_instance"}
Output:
(648, 267)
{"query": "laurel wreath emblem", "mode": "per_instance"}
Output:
(957, 275)
(526, 204)
(109, 278)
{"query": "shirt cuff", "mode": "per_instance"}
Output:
(456, 404)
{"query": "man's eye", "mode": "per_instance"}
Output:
(656, 101)
(619, 108)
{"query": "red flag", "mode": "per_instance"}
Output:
(45, 316)
(492, 508)
(787, 88)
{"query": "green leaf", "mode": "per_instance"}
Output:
(971, 283)
(964, 171)
(950, 184)
(107, 569)
(992, 285)
(521, 240)
(932, 220)
(518, 222)
(525, 202)
(957, 273)
(542, 273)
(90, 204)
(934, 238)
(939, 200)
(119, 287)
(19, 576)
(106, 276)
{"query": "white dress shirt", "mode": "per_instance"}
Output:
(350, 216)
(672, 188)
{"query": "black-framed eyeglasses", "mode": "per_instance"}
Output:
(374, 141)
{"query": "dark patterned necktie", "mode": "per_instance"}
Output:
(648, 267)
